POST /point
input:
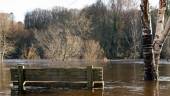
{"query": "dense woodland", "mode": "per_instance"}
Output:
(97, 31)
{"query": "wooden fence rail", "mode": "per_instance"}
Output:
(89, 77)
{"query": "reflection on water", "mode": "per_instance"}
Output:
(120, 80)
(4, 81)
(151, 88)
(64, 93)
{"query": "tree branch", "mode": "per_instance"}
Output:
(166, 31)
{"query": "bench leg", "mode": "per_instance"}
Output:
(20, 79)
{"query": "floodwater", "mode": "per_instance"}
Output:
(121, 78)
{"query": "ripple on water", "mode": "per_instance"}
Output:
(164, 78)
(6, 93)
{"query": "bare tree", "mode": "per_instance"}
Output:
(92, 50)
(58, 43)
(4, 28)
(62, 34)
(152, 48)
(132, 32)
(132, 19)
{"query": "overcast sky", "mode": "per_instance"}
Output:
(20, 7)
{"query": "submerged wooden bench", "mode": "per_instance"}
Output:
(89, 77)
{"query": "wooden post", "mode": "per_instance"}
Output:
(90, 77)
(20, 78)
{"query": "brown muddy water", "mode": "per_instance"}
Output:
(122, 78)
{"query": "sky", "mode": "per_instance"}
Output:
(20, 7)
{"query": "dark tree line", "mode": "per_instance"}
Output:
(97, 31)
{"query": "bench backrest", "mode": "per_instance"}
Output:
(59, 74)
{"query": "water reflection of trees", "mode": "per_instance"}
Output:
(4, 80)
(151, 88)
(1, 77)
(60, 92)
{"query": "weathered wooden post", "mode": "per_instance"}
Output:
(20, 78)
(90, 77)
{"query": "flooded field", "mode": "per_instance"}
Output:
(121, 77)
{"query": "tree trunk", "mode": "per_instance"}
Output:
(147, 40)
(2, 50)
(153, 48)
(157, 43)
